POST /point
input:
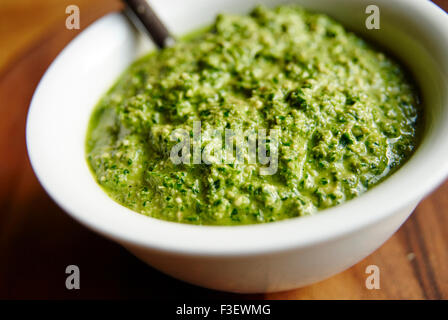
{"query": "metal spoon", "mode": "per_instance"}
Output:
(143, 12)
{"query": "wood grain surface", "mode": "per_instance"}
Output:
(38, 240)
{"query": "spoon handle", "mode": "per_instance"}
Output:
(151, 22)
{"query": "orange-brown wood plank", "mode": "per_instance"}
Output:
(38, 240)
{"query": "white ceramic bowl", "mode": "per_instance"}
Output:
(257, 258)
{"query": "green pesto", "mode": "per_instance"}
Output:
(347, 113)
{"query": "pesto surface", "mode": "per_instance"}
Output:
(347, 114)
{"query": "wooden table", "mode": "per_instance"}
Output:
(38, 240)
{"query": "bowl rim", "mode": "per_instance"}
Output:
(392, 195)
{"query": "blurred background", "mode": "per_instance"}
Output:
(38, 240)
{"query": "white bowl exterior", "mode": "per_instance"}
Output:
(270, 257)
(276, 271)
